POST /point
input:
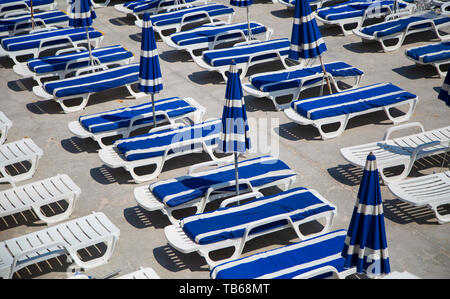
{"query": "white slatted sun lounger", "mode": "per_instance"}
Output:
(62, 239)
(235, 226)
(155, 148)
(436, 55)
(353, 14)
(35, 195)
(210, 36)
(85, 83)
(245, 55)
(8, 6)
(317, 257)
(177, 19)
(35, 43)
(142, 273)
(123, 121)
(5, 125)
(402, 151)
(18, 152)
(431, 190)
(340, 107)
(67, 61)
(294, 80)
(198, 188)
(397, 29)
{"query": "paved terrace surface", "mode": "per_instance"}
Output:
(417, 243)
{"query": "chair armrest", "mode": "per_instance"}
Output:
(402, 127)
(195, 13)
(217, 36)
(148, 115)
(67, 50)
(100, 67)
(224, 161)
(88, 68)
(421, 147)
(239, 198)
(318, 271)
(166, 127)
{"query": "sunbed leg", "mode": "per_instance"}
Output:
(403, 118)
(342, 126)
(76, 108)
(110, 244)
(148, 177)
(20, 177)
(442, 219)
(134, 94)
(59, 217)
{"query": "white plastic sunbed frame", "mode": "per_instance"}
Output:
(85, 71)
(114, 159)
(61, 239)
(372, 12)
(436, 64)
(18, 152)
(431, 190)
(147, 200)
(26, 8)
(295, 92)
(243, 66)
(400, 36)
(142, 273)
(196, 116)
(5, 125)
(177, 238)
(35, 195)
(344, 118)
(43, 45)
(160, 8)
(217, 41)
(216, 20)
(402, 151)
(23, 70)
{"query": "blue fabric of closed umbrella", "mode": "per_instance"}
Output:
(81, 13)
(445, 90)
(366, 245)
(150, 78)
(306, 40)
(235, 132)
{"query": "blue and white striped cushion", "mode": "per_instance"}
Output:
(351, 101)
(230, 222)
(120, 118)
(351, 9)
(258, 171)
(241, 54)
(49, 17)
(395, 26)
(59, 62)
(291, 79)
(174, 17)
(155, 144)
(94, 82)
(27, 3)
(206, 33)
(430, 53)
(288, 261)
(32, 41)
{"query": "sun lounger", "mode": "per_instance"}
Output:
(290, 4)
(431, 190)
(5, 125)
(293, 81)
(234, 226)
(399, 29)
(342, 106)
(35, 43)
(63, 64)
(35, 195)
(62, 239)
(160, 145)
(318, 257)
(352, 14)
(8, 6)
(125, 120)
(402, 151)
(435, 55)
(18, 152)
(198, 188)
(142, 273)
(177, 19)
(209, 36)
(245, 55)
(17, 23)
(140, 7)
(84, 85)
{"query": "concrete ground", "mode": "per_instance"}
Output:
(417, 243)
